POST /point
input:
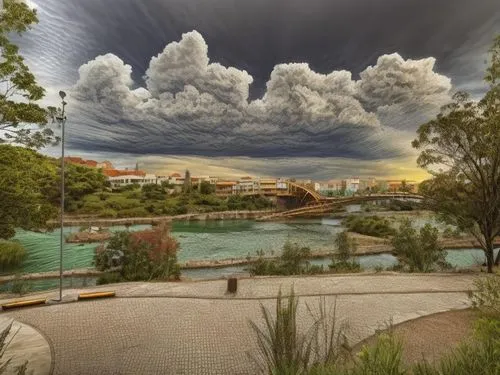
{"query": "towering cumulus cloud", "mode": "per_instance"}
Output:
(190, 105)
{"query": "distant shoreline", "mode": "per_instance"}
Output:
(75, 221)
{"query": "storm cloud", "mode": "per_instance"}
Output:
(261, 78)
(190, 105)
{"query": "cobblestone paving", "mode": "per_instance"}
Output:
(169, 335)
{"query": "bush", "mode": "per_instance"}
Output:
(293, 261)
(383, 358)
(145, 255)
(108, 213)
(109, 278)
(343, 260)
(486, 297)
(418, 252)
(369, 225)
(448, 232)
(4, 365)
(480, 356)
(12, 254)
(285, 348)
(134, 212)
(21, 286)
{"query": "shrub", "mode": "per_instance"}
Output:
(293, 261)
(448, 232)
(486, 297)
(103, 196)
(369, 225)
(285, 348)
(383, 358)
(21, 286)
(108, 213)
(145, 255)
(4, 365)
(343, 260)
(120, 202)
(180, 210)
(480, 356)
(133, 212)
(418, 252)
(109, 278)
(12, 254)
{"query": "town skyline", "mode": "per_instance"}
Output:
(137, 167)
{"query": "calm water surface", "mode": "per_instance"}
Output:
(222, 239)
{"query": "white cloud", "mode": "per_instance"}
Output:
(192, 105)
(403, 93)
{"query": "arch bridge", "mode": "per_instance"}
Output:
(318, 205)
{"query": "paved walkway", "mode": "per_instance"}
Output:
(195, 328)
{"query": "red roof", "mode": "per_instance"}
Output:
(80, 161)
(117, 172)
(175, 175)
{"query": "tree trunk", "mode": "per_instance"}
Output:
(497, 260)
(489, 255)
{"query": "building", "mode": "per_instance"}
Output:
(268, 186)
(332, 187)
(105, 165)
(367, 184)
(396, 185)
(247, 185)
(225, 188)
(351, 185)
(131, 179)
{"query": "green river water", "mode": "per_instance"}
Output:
(222, 239)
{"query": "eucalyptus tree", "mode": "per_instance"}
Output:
(22, 120)
(461, 150)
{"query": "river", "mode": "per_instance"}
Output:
(221, 239)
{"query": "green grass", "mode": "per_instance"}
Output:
(285, 348)
(131, 203)
(369, 225)
(12, 254)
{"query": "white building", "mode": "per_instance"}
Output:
(352, 185)
(118, 181)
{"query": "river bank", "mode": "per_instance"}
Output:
(75, 221)
(367, 246)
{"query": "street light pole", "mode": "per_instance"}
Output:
(61, 119)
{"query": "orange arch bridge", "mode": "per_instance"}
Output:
(319, 205)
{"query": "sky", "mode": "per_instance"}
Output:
(317, 89)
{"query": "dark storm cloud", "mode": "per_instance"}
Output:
(255, 35)
(207, 106)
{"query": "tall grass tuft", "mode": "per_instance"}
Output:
(286, 350)
(4, 365)
(479, 356)
(283, 350)
(385, 357)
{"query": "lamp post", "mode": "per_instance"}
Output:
(61, 119)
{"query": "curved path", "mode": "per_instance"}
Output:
(195, 328)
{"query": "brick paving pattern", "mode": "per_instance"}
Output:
(194, 328)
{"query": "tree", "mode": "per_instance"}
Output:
(346, 247)
(343, 260)
(207, 188)
(145, 255)
(80, 181)
(418, 251)
(20, 116)
(27, 186)
(404, 187)
(186, 188)
(464, 139)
